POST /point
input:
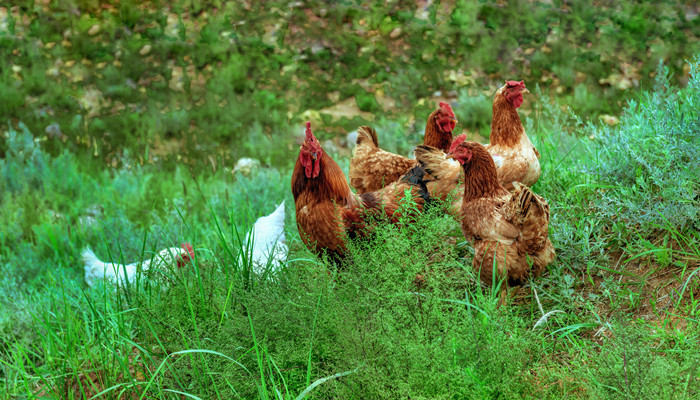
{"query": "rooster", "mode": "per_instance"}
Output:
(119, 274)
(327, 210)
(508, 230)
(372, 168)
(515, 157)
(265, 244)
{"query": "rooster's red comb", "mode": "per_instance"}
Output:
(520, 84)
(446, 108)
(309, 134)
(458, 141)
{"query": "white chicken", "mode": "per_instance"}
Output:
(265, 243)
(118, 274)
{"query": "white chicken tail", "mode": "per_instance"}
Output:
(277, 218)
(268, 240)
(89, 258)
(94, 267)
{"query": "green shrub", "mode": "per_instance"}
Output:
(646, 168)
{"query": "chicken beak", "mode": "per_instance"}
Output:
(525, 91)
(314, 155)
(453, 119)
(449, 156)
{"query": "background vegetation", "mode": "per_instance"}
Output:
(121, 123)
(212, 81)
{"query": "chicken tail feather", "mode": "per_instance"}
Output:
(416, 176)
(434, 161)
(90, 259)
(368, 135)
(531, 212)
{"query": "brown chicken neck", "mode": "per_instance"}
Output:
(506, 127)
(481, 179)
(434, 135)
(329, 184)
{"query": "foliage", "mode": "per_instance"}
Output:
(123, 117)
(645, 166)
(629, 368)
(192, 82)
(54, 206)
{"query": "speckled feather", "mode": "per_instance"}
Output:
(446, 176)
(372, 168)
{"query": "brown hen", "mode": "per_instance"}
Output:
(508, 230)
(515, 157)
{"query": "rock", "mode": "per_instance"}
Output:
(91, 216)
(55, 215)
(145, 49)
(310, 115)
(396, 32)
(94, 30)
(317, 47)
(246, 166)
(609, 119)
(345, 109)
(54, 131)
(329, 147)
(351, 139)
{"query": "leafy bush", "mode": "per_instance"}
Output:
(646, 168)
(53, 206)
(398, 318)
(473, 111)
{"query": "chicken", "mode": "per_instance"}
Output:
(508, 230)
(327, 210)
(119, 274)
(265, 244)
(372, 168)
(515, 157)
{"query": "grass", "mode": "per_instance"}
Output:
(144, 163)
(615, 317)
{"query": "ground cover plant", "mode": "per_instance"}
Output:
(121, 123)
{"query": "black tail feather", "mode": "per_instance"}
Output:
(416, 177)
